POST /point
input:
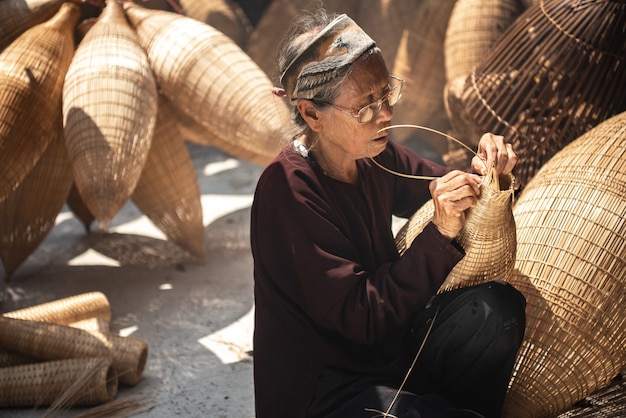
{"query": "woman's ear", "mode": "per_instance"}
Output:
(310, 114)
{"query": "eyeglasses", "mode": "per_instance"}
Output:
(367, 113)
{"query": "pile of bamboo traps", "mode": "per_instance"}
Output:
(61, 354)
(93, 106)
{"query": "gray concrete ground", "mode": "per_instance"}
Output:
(197, 319)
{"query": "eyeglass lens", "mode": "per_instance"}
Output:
(369, 112)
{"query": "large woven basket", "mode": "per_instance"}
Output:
(63, 383)
(168, 192)
(32, 70)
(558, 71)
(224, 15)
(17, 16)
(571, 266)
(208, 77)
(488, 237)
(28, 214)
(473, 29)
(411, 36)
(110, 105)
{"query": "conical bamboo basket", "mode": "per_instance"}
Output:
(88, 381)
(474, 28)
(67, 310)
(224, 15)
(11, 358)
(271, 30)
(29, 213)
(411, 36)
(488, 237)
(571, 266)
(208, 77)
(79, 209)
(32, 70)
(17, 16)
(109, 108)
(168, 192)
(558, 71)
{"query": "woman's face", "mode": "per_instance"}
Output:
(341, 133)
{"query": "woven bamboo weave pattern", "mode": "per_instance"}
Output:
(89, 381)
(109, 109)
(488, 237)
(17, 16)
(207, 76)
(29, 213)
(224, 15)
(558, 71)
(571, 266)
(32, 70)
(67, 310)
(168, 192)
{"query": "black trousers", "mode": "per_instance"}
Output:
(466, 362)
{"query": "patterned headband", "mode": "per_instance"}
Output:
(337, 46)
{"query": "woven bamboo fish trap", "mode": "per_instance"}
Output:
(48, 341)
(208, 77)
(224, 15)
(79, 208)
(17, 16)
(271, 30)
(67, 310)
(32, 70)
(11, 358)
(68, 382)
(110, 105)
(411, 36)
(168, 192)
(571, 266)
(29, 213)
(473, 29)
(488, 237)
(558, 71)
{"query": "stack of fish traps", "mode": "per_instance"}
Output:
(61, 353)
(94, 106)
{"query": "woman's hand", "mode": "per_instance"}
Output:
(452, 194)
(493, 151)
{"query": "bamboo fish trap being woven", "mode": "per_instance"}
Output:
(110, 103)
(558, 71)
(29, 213)
(571, 266)
(168, 192)
(17, 16)
(32, 70)
(488, 237)
(208, 77)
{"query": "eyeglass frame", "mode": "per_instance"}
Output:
(378, 103)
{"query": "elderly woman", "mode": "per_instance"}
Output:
(340, 315)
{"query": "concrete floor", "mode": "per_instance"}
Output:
(197, 319)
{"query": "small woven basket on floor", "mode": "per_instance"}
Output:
(168, 192)
(67, 310)
(571, 266)
(31, 80)
(17, 16)
(558, 71)
(110, 105)
(208, 77)
(488, 237)
(88, 381)
(29, 213)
